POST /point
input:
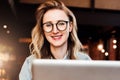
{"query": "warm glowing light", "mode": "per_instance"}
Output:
(5, 54)
(102, 50)
(114, 41)
(114, 46)
(1, 71)
(1, 63)
(8, 32)
(106, 53)
(4, 26)
(25, 40)
(100, 47)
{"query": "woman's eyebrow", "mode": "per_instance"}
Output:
(56, 21)
(47, 22)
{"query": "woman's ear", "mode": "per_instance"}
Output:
(71, 26)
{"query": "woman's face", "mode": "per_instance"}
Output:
(56, 27)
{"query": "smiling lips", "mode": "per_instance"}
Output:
(57, 37)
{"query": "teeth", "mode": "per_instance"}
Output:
(56, 37)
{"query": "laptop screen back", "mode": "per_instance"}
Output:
(75, 70)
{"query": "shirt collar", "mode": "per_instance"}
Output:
(65, 57)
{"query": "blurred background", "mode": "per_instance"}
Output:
(98, 29)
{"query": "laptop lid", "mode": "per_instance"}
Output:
(75, 70)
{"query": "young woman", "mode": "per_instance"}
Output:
(53, 37)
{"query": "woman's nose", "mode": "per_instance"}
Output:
(55, 30)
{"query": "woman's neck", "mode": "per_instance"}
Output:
(59, 52)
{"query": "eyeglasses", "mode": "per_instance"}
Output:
(60, 25)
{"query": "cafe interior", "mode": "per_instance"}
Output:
(98, 29)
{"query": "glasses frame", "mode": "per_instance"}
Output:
(56, 24)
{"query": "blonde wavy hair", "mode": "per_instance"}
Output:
(39, 45)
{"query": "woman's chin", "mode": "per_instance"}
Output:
(57, 44)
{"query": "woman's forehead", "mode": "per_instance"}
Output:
(55, 15)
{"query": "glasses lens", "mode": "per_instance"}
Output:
(47, 27)
(62, 25)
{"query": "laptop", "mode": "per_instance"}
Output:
(43, 69)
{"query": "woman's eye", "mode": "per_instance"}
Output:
(61, 23)
(48, 25)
